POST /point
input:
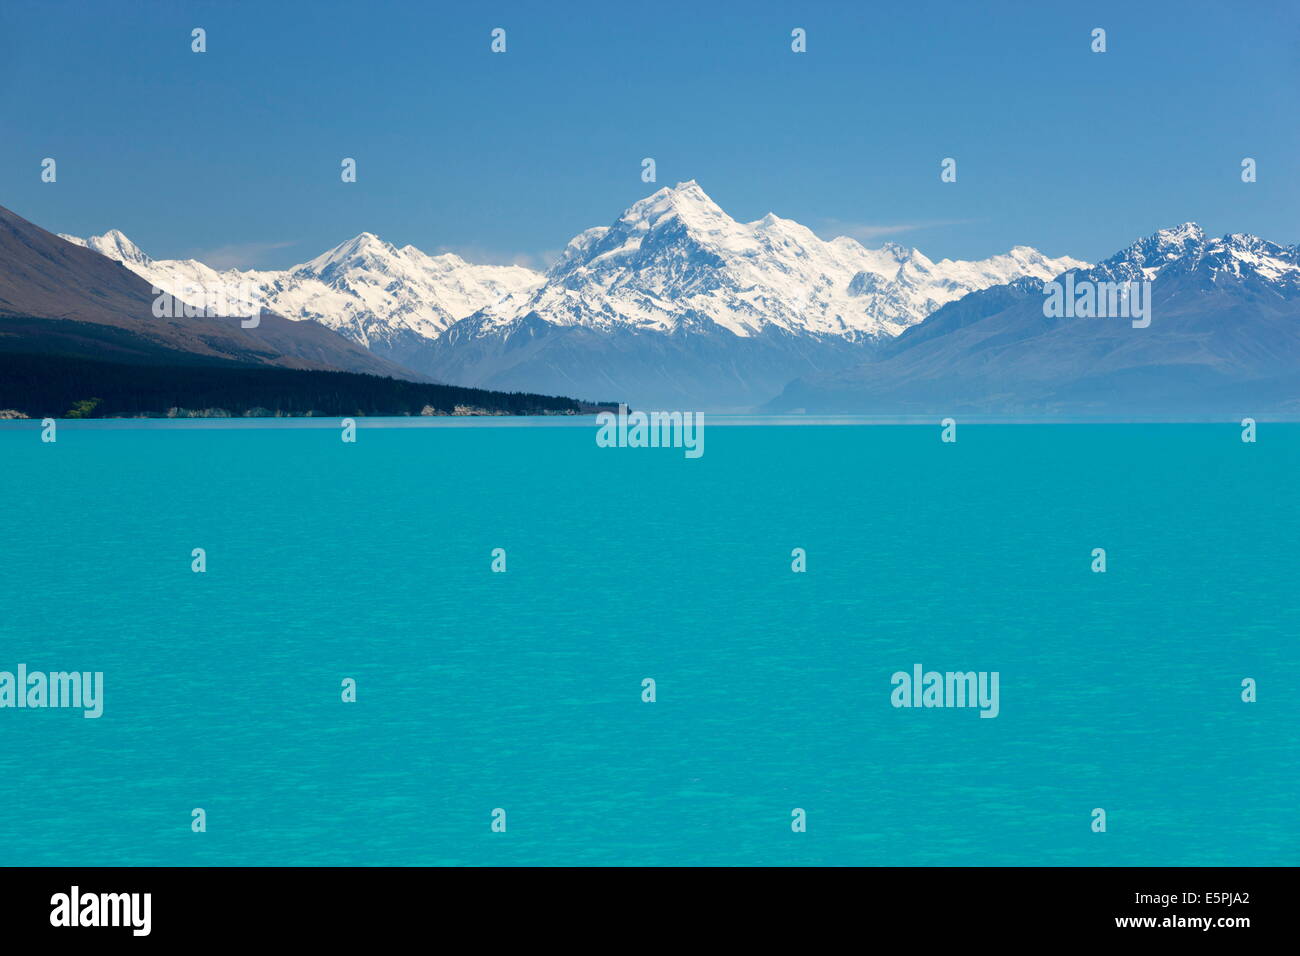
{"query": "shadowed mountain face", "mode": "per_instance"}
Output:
(45, 277)
(1223, 342)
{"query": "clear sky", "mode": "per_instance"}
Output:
(234, 155)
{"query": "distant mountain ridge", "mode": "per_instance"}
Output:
(678, 304)
(386, 299)
(1224, 341)
(674, 303)
(675, 258)
(42, 277)
(82, 335)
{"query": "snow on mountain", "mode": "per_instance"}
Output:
(672, 261)
(674, 301)
(675, 260)
(1185, 250)
(114, 245)
(1222, 342)
(374, 292)
(188, 279)
(385, 298)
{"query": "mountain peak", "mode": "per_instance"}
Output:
(1181, 233)
(114, 245)
(364, 242)
(690, 195)
(676, 262)
(689, 189)
(898, 252)
(1184, 250)
(363, 246)
(1148, 255)
(685, 201)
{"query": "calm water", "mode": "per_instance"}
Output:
(522, 690)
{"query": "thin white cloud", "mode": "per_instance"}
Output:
(239, 255)
(868, 231)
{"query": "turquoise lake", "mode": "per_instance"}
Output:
(478, 690)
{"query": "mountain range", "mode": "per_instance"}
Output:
(101, 309)
(675, 304)
(79, 332)
(386, 299)
(1223, 343)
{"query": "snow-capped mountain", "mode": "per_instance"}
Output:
(368, 289)
(676, 302)
(676, 305)
(1185, 250)
(187, 279)
(63, 300)
(388, 299)
(1223, 342)
(675, 259)
(114, 245)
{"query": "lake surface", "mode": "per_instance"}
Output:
(479, 690)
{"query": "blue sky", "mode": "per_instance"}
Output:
(233, 155)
